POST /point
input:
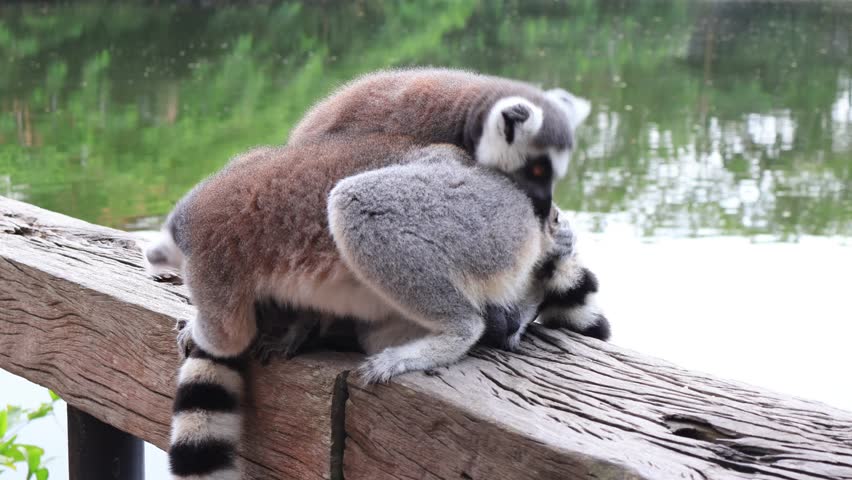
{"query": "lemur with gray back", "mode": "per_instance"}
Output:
(560, 295)
(501, 122)
(325, 222)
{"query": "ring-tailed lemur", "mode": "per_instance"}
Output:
(561, 295)
(260, 228)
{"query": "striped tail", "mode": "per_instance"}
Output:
(569, 302)
(207, 422)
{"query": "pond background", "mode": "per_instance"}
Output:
(711, 182)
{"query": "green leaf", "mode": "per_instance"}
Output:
(4, 423)
(33, 458)
(42, 411)
(14, 452)
(7, 444)
(42, 474)
(53, 395)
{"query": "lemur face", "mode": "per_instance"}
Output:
(532, 143)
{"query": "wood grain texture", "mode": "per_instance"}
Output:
(78, 314)
(571, 407)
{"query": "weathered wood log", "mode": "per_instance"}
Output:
(79, 315)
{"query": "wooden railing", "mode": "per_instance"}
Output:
(79, 315)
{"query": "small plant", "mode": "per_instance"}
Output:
(12, 420)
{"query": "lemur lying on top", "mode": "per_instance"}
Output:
(411, 200)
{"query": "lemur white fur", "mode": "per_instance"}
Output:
(494, 148)
(261, 227)
(576, 109)
(163, 257)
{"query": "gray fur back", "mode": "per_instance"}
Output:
(422, 229)
(432, 105)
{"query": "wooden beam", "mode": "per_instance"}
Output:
(78, 314)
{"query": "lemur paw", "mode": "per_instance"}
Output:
(514, 341)
(268, 345)
(184, 338)
(564, 240)
(381, 367)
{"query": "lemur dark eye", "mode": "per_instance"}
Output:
(537, 170)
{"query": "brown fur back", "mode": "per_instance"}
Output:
(432, 105)
(266, 211)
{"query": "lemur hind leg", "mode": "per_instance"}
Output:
(425, 239)
(225, 324)
(428, 301)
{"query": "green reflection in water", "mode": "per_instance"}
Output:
(710, 118)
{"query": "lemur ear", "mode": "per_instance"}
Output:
(576, 108)
(511, 116)
(514, 119)
(510, 125)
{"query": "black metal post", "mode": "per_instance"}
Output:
(98, 451)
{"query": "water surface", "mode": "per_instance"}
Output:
(710, 118)
(711, 183)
